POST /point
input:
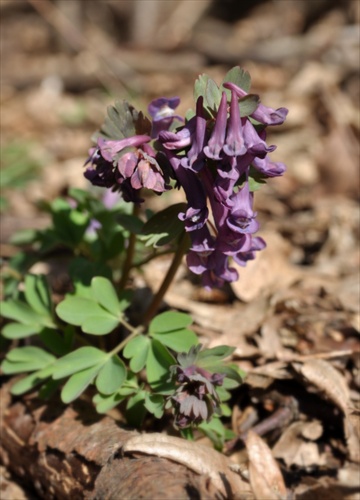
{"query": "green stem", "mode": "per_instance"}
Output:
(180, 252)
(134, 333)
(129, 253)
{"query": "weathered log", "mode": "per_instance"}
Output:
(72, 452)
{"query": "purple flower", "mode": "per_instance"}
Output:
(212, 157)
(126, 165)
(235, 141)
(267, 167)
(242, 217)
(262, 114)
(162, 113)
(195, 399)
(217, 140)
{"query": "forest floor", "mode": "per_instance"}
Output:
(294, 315)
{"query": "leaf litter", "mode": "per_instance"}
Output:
(294, 315)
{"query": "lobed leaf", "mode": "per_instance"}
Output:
(212, 96)
(135, 409)
(248, 104)
(37, 293)
(100, 324)
(164, 226)
(154, 403)
(26, 359)
(169, 321)
(20, 330)
(30, 381)
(75, 361)
(111, 376)
(239, 77)
(78, 382)
(105, 403)
(20, 311)
(75, 310)
(105, 294)
(158, 364)
(178, 340)
(137, 350)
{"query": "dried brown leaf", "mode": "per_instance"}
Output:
(326, 378)
(270, 270)
(263, 376)
(295, 450)
(199, 458)
(312, 431)
(352, 435)
(265, 476)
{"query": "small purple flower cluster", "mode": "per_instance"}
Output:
(130, 164)
(195, 399)
(215, 171)
(213, 156)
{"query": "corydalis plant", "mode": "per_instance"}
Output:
(218, 156)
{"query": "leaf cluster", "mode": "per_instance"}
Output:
(94, 311)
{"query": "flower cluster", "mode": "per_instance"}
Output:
(214, 157)
(195, 399)
(131, 163)
(214, 171)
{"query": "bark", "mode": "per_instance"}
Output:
(72, 452)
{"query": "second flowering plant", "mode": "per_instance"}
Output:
(218, 156)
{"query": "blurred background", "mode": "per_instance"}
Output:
(64, 61)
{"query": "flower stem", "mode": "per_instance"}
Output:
(129, 253)
(180, 252)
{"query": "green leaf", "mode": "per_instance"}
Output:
(164, 226)
(124, 120)
(137, 350)
(223, 394)
(28, 353)
(169, 321)
(82, 358)
(240, 77)
(26, 359)
(130, 222)
(256, 179)
(105, 403)
(135, 409)
(69, 224)
(105, 294)
(48, 389)
(30, 381)
(20, 331)
(179, 340)
(75, 310)
(100, 324)
(82, 271)
(248, 104)
(154, 403)
(59, 344)
(78, 382)
(218, 352)
(158, 365)
(215, 431)
(20, 311)
(234, 376)
(130, 386)
(37, 293)
(111, 376)
(212, 96)
(24, 237)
